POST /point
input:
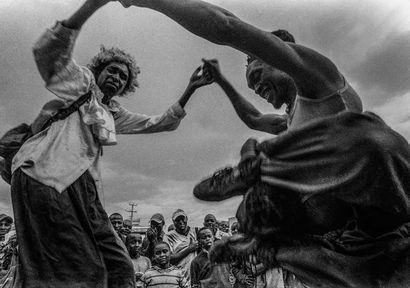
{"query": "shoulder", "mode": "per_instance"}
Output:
(177, 271)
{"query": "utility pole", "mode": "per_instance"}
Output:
(132, 211)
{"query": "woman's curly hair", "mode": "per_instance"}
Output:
(107, 56)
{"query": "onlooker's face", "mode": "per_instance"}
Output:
(180, 224)
(116, 222)
(210, 222)
(157, 226)
(113, 79)
(206, 238)
(5, 227)
(134, 243)
(161, 255)
(273, 85)
(224, 226)
(127, 224)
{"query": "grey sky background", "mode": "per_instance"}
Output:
(369, 41)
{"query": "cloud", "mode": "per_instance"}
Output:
(366, 39)
(396, 114)
(385, 72)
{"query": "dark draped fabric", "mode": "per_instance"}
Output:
(331, 205)
(65, 239)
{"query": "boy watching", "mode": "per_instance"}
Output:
(201, 265)
(163, 274)
(141, 263)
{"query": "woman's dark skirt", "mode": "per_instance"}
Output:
(66, 239)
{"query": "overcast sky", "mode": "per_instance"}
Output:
(369, 40)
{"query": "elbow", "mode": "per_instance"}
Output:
(173, 126)
(252, 123)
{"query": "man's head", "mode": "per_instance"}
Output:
(205, 238)
(180, 220)
(133, 243)
(115, 72)
(210, 222)
(272, 84)
(157, 222)
(224, 226)
(162, 253)
(116, 221)
(127, 224)
(5, 224)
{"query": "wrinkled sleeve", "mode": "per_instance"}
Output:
(53, 57)
(127, 122)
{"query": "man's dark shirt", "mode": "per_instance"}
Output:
(200, 268)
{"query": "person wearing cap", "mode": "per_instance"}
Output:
(183, 242)
(154, 234)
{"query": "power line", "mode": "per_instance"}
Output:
(132, 211)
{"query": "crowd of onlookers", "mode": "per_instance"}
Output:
(178, 257)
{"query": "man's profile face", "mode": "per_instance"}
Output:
(269, 83)
(113, 79)
(5, 227)
(116, 222)
(161, 254)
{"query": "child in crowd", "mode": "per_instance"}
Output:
(141, 263)
(163, 274)
(201, 265)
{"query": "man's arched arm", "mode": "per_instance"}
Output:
(314, 74)
(252, 117)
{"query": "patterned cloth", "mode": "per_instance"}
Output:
(165, 278)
